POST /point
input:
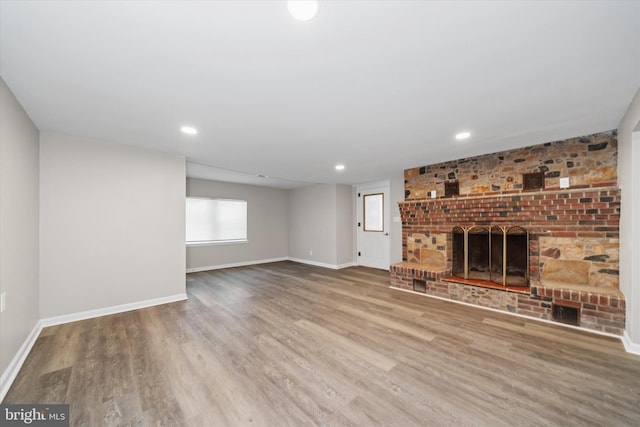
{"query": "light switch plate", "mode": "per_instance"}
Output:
(564, 182)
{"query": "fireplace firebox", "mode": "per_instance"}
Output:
(495, 254)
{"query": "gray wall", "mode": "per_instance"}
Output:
(18, 226)
(266, 225)
(112, 225)
(345, 221)
(312, 223)
(321, 224)
(629, 182)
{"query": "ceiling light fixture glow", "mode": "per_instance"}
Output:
(303, 10)
(463, 135)
(339, 167)
(189, 130)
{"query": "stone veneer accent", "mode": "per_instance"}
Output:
(573, 244)
(586, 160)
(595, 258)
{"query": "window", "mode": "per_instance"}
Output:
(373, 212)
(216, 220)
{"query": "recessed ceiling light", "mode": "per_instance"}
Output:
(339, 167)
(303, 10)
(463, 135)
(189, 130)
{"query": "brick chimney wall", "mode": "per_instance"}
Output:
(575, 226)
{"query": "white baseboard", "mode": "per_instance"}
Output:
(265, 261)
(73, 317)
(321, 264)
(9, 374)
(235, 264)
(345, 265)
(629, 345)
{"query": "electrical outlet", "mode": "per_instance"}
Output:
(310, 253)
(3, 302)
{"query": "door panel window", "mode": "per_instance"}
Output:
(373, 212)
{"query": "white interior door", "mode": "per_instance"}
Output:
(373, 225)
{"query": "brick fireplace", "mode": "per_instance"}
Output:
(546, 252)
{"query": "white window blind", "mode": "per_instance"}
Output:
(216, 220)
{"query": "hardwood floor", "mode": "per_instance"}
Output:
(289, 344)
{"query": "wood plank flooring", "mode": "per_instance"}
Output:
(286, 344)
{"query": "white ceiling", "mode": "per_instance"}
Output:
(380, 86)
